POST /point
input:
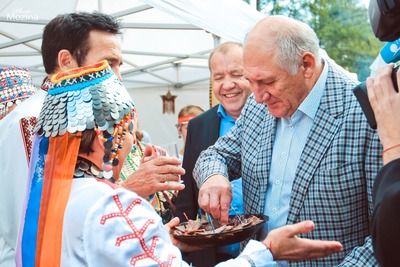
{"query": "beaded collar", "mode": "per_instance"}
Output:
(86, 169)
(47, 85)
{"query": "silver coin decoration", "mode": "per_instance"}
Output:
(86, 169)
(83, 102)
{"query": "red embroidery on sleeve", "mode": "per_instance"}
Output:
(136, 233)
(27, 129)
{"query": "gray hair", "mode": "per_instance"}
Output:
(288, 41)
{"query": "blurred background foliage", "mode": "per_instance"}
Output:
(342, 26)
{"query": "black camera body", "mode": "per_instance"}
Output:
(385, 21)
(360, 91)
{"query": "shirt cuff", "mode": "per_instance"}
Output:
(256, 254)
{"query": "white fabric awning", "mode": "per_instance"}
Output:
(166, 45)
(166, 42)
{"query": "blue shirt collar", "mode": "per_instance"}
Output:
(310, 104)
(223, 115)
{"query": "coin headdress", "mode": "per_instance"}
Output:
(86, 98)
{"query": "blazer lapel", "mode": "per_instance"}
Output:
(214, 126)
(326, 124)
(264, 153)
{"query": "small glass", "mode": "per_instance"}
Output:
(169, 150)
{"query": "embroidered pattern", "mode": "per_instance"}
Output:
(27, 126)
(47, 85)
(136, 233)
(15, 83)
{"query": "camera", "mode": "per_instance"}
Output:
(360, 91)
(384, 16)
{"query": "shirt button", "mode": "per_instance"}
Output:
(274, 210)
(277, 182)
(283, 154)
(291, 127)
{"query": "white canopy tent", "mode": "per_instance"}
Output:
(165, 46)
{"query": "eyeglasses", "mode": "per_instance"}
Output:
(179, 125)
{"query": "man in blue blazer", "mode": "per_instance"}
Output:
(232, 91)
(302, 145)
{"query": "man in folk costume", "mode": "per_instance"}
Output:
(69, 41)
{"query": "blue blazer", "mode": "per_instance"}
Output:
(334, 178)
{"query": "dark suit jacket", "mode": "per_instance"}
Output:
(203, 131)
(386, 216)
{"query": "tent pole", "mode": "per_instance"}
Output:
(100, 5)
(217, 40)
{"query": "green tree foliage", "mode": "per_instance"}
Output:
(342, 26)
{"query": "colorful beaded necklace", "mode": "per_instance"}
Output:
(132, 162)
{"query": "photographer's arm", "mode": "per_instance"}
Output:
(385, 102)
(386, 217)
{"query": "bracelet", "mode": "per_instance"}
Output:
(389, 148)
(249, 260)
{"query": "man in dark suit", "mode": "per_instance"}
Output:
(232, 91)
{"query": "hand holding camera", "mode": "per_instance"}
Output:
(385, 102)
(384, 16)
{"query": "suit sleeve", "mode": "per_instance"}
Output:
(187, 198)
(386, 216)
(224, 157)
(364, 255)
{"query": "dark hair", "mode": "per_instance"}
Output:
(139, 135)
(71, 32)
(88, 137)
